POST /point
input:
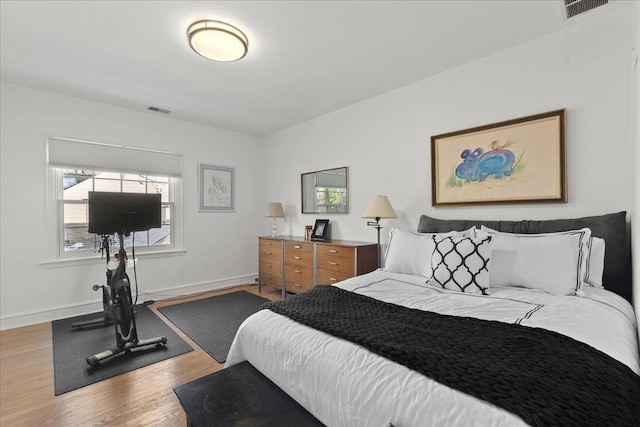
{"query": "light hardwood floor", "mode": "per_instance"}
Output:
(143, 397)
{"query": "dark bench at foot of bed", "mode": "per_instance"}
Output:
(240, 396)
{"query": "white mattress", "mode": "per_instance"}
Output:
(343, 384)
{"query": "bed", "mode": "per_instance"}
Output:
(489, 344)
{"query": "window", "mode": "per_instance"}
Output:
(331, 199)
(77, 167)
(76, 184)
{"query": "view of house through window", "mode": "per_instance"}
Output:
(331, 199)
(75, 210)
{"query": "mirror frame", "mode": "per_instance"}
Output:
(302, 190)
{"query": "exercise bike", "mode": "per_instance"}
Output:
(107, 312)
(118, 309)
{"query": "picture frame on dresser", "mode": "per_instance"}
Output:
(320, 230)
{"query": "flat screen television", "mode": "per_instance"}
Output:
(123, 212)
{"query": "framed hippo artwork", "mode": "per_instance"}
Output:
(516, 161)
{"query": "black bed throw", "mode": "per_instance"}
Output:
(543, 377)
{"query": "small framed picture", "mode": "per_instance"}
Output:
(320, 230)
(216, 188)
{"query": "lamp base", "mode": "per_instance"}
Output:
(273, 228)
(376, 224)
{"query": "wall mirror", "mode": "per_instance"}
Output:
(325, 191)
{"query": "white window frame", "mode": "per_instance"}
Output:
(54, 208)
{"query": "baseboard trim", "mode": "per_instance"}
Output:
(26, 318)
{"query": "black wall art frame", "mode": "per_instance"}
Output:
(320, 230)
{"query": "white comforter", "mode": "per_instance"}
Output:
(343, 384)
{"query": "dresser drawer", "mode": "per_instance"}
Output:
(273, 278)
(298, 247)
(298, 278)
(293, 284)
(270, 249)
(274, 260)
(340, 251)
(336, 263)
(331, 277)
(269, 267)
(296, 287)
(299, 259)
(300, 272)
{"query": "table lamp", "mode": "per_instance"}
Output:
(378, 207)
(274, 210)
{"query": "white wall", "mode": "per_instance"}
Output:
(221, 248)
(635, 156)
(385, 141)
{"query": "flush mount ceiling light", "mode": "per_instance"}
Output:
(217, 40)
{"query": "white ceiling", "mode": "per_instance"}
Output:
(306, 58)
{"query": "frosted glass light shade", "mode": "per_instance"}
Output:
(217, 40)
(379, 207)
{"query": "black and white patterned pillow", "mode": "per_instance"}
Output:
(462, 263)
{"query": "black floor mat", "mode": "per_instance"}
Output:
(213, 322)
(72, 346)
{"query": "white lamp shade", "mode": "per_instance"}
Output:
(379, 207)
(274, 210)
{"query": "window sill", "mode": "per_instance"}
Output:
(69, 262)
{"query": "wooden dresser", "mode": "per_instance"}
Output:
(271, 260)
(296, 265)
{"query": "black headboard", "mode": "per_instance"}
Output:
(611, 227)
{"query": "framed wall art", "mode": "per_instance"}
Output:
(515, 161)
(216, 188)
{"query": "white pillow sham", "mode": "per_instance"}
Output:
(410, 253)
(595, 262)
(551, 262)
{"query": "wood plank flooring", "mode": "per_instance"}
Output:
(143, 397)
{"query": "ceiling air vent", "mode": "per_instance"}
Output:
(158, 110)
(576, 7)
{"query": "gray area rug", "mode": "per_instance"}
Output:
(71, 347)
(213, 322)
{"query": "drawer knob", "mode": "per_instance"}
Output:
(297, 271)
(269, 253)
(269, 265)
(333, 251)
(333, 263)
(297, 285)
(298, 247)
(333, 279)
(296, 257)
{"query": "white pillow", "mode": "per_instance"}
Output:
(410, 253)
(595, 262)
(551, 262)
(461, 263)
